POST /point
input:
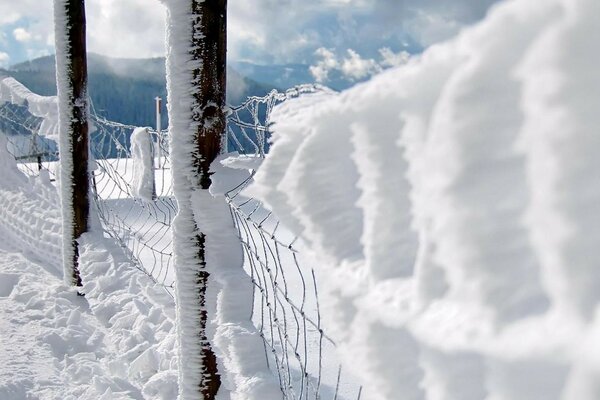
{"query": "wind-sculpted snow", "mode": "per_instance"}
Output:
(455, 202)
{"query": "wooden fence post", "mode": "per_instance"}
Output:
(196, 67)
(71, 74)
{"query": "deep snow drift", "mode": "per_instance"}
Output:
(456, 201)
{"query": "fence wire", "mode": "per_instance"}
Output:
(286, 307)
(286, 297)
(33, 152)
(142, 227)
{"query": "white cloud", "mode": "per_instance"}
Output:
(4, 58)
(22, 35)
(126, 28)
(353, 66)
(327, 63)
(264, 31)
(391, 59)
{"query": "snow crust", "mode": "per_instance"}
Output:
(238, 345)
(453, 205)
(46, 107)
(143, 185)
(180, 104)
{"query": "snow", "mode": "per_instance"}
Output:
(117, 342)
(29, 217)
(143, 184)
(453, 203)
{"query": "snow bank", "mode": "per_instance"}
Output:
(143, 164)
(454, 203)
(46, 107)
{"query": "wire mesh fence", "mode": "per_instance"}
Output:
(142, 227)
(286, 296)
(33, 152)
(286, 308)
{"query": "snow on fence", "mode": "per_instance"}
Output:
(285, 309)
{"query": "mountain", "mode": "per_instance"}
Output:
(287, 75)
(124, 90)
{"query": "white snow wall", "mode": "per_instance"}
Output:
(231, 337)
(455, 205)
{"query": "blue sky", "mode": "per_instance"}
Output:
(331, 32)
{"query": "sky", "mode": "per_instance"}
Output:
(356, 37)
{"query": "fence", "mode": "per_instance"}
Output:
(286, 300)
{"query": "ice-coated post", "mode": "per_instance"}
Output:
(196, 102)
(71, 77)
(151, 163)
(158, 131)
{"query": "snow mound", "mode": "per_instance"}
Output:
(454, 204)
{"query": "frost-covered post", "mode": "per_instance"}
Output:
(71, 77)
(196, 99)
(158, 132)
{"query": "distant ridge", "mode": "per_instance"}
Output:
(123, 89)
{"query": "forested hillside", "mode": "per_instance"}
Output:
(123, 90)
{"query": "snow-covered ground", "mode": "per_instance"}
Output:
(117, 342)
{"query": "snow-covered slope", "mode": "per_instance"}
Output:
(455, 202)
